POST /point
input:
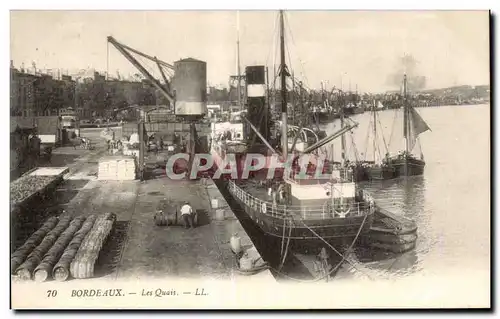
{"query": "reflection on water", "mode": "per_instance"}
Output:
(450, 202)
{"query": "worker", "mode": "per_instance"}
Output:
(187, 215)
(34, 150)
(161, 143)
(48, 154)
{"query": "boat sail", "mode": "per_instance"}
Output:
(405, 163)
(287, 207)
(379, 168)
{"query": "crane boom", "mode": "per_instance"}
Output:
(330, 138)
(167, 84)
(165, 64)
(122, 49)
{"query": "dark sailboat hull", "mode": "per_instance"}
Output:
(353, 110)
(409, 166)
(380, 172)
(367, 173)
(323, 118)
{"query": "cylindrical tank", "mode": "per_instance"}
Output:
(257, 111)
(190, 86)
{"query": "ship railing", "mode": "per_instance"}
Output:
(345, 176)
(328, 210)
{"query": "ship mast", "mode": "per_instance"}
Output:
(406, 124)
(238, 58)
(284, 128)
(374, 130)
(342, 139)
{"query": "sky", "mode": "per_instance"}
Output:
(360, 48)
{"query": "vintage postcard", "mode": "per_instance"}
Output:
(250, 159)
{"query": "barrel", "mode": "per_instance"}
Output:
(172, 219)
(162, 219)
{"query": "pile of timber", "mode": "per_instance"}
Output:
(44, 269)
(35, 182)
(28, 186)
(25, 270)
(61, 244)
(60, 271)
(117, 168)
(20, 254)
(83, 264)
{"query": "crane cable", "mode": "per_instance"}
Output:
(344, 258)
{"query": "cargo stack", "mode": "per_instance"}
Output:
(117, 168)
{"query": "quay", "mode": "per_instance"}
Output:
(139, 249)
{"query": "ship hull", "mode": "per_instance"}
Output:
(380, 172)
(323, 118)
(353, 110)
(408, 167)
(302, 232)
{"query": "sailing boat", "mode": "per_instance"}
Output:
(286, 207)
(378, 169)
(323, 114)
(405, 163)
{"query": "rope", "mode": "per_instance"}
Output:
(356, 153)
(273, 42)
(336, 266)
(366, 141)
(392, 129)
(420, 147)
(266, 266)
(107, 60)
(383, 137)
(287, 245)
(303, 72)
(367, 138)
(283, 237)
(350, 247)
(344, 256)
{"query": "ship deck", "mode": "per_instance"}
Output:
(261, 193)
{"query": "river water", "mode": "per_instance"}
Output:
(450, 202)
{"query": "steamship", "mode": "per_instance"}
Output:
(286, 207)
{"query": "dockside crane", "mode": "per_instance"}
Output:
(188, 110)
(164, 89)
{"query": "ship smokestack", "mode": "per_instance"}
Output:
(256, 101)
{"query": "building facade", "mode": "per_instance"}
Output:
(39, 94)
